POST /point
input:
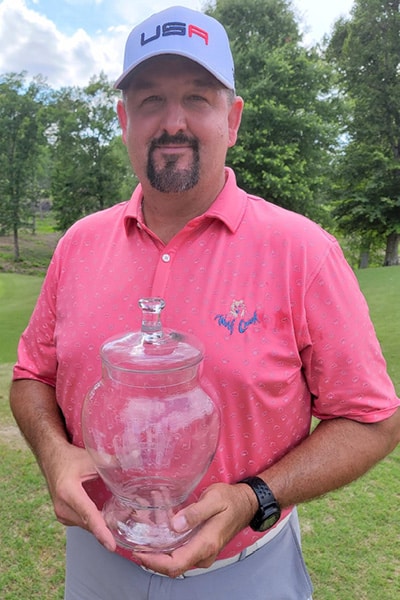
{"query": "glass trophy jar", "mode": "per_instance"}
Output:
(151, 430)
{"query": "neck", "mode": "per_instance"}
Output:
(167, 214)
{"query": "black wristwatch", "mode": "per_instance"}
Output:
(269, 511)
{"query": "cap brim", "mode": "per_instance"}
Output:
(122, 81)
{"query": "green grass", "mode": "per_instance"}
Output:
(45, 224)
(381, 287)
(351, 538)
(18, 294)
(32, 541)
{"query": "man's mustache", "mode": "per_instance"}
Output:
(180, 138)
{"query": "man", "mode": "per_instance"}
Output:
(285, 327)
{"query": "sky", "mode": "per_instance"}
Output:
(69, 41)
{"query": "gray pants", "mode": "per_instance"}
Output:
(274, 572)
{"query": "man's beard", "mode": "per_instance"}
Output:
(170, 179)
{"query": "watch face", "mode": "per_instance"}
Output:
(269, 522)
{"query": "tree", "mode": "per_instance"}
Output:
(89, 169)
(365, 50)
(288, 129)
(22, 125)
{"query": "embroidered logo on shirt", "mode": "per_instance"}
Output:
(236, 318)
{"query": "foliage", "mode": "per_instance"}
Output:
(288, 127)
(87, 162)
(22, 125)
(364, 51)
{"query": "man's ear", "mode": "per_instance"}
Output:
(234, 118)
(122, 118)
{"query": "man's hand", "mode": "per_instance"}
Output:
(222, 511)
(65, 475)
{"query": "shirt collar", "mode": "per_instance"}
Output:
(230, 204)
(228, 207)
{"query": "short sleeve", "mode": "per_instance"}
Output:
(36, 349)
(343, 362)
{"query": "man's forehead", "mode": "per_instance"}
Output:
(171, 66)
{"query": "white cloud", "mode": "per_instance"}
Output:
(317, 17)
(31, 42)
(132, 13)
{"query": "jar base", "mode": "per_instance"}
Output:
(144, 529)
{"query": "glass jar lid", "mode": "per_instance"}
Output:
(153, 348)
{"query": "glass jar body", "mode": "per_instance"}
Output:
(152, 436)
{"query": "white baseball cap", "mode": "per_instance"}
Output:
(182, 31)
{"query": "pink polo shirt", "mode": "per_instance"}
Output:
(285, 327)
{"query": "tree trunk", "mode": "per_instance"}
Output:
(364, 259)
(16, 244)
(365, 251)
(392, 250)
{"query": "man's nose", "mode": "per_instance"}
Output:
(174, 118)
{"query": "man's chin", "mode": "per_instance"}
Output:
(173, 183)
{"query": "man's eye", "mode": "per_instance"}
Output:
(152, 100)
(197, 98)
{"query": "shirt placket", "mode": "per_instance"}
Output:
(163, 272)
(168, 253)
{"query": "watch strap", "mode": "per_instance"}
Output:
(266, 500)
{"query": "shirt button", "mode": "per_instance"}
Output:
(166, 258)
